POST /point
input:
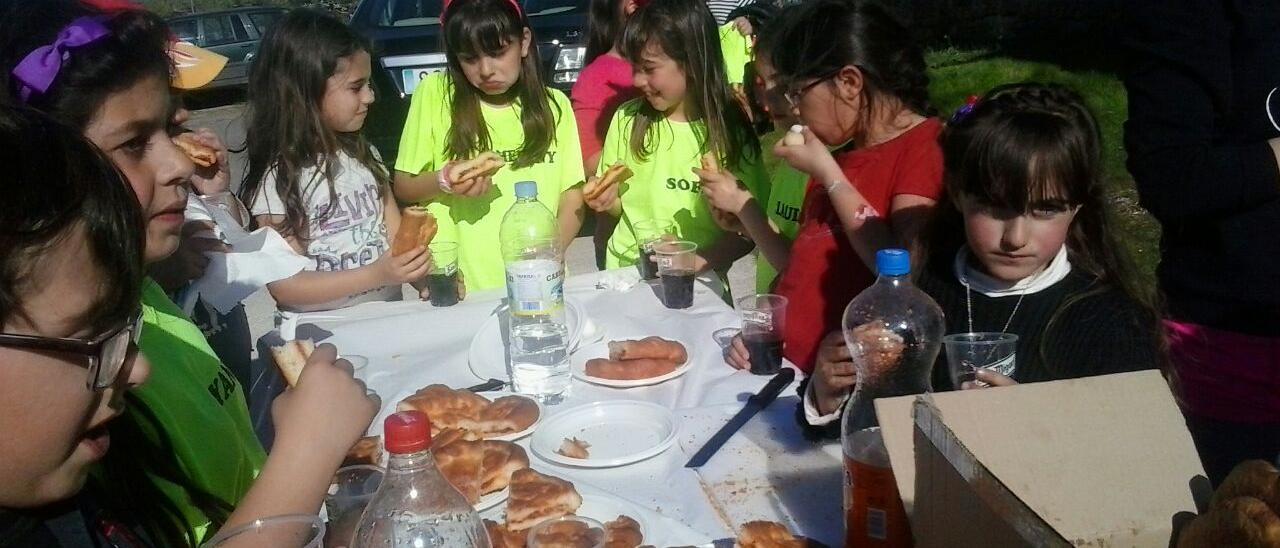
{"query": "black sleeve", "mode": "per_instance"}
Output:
(828, 431)
(1179, 82)
(1101, 334)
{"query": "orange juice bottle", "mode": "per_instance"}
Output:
(873, 511)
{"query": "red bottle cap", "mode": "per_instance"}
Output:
(407, 432)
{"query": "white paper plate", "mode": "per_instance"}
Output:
(492, 499)
(601, 350)
(602, 508)
(542, 413)
(487, 356)
(620, 432)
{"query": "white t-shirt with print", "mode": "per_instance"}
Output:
(352, 234)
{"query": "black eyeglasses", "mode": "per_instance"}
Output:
(795, 95)
(105, 353)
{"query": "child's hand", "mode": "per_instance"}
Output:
(812, 157)
(987, 378)
(607, 200)
(737, 355)
(833, 373)
(473, 187)
(722, 190)
(743, 26)
(216, 178)
(189, 261)
(327, 411)
(405, 268)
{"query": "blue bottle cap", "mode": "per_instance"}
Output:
(893, 262)
(526, 189)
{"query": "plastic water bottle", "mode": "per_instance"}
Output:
(415, 507)
(894, 331)
(539, 347)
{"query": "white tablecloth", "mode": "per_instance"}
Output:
(764, 472)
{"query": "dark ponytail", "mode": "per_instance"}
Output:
(486, 27)
(827, 35)
(604, 25)
(136, 49)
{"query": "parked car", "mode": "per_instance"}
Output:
(407, 47)
(232, 33)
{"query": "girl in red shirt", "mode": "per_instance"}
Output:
(603, 85)
(854, 76)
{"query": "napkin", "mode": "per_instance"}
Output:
(621, 280)
(256, 258)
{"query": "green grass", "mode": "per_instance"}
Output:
(957, 74)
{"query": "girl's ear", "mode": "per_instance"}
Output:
(850, 83)
(525, 40)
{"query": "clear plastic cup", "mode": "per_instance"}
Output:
(574, 531)
(677, 262)
(292, 531)
(647, 232)
(350, 492)
(969, 352)
(763, 319)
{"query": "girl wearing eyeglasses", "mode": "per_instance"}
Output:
(855, 78)
(187, 461)
(71, 249)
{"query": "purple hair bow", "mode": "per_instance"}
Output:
(36, 72)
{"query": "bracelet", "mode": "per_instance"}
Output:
(445, 185)
(833, 185)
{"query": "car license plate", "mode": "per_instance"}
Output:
(411, 76)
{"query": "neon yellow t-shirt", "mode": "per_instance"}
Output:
(199, 408)
(473, 222)
(784, 195)
(736, 49)
(663, 185)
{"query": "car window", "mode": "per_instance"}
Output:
(262, 20)
(408, 13)
(186, 31)
(536, 8)
(221, 29)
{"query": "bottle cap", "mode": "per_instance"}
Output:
(406, 432)
(526, 189)
(893, 262)
(797, 128)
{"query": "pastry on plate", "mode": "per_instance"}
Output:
(538, 497)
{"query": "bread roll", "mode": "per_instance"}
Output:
(537, 497)
(417, 227)
(1242, 522)
(629, 370)
(649, 347)
(614, 175)
(1254, 478)
(623, 532)
(291, 357)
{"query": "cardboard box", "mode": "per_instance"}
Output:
(1101, 461)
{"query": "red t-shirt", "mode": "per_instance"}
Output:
(825, 273)
(602, 86)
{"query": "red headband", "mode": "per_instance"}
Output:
(112, 7)
(445, 10)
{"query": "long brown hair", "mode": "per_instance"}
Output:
(486, 27)
(686, 32)
(1027, 143)
(604, 25)
(286, 133)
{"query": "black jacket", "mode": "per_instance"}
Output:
(1202, 78)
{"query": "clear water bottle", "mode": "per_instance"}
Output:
(539, 337)
(894, 331)
(415, 507)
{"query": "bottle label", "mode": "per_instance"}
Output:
(874, 515)
(535, 287)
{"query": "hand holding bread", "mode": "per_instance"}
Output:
(471, 178)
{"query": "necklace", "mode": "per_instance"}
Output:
(968, 301)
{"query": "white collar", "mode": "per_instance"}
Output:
(978, 281)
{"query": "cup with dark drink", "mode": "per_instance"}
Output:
(647, 232)
(763, 318)
(442, 280)
(352, 489)
(677, 268)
